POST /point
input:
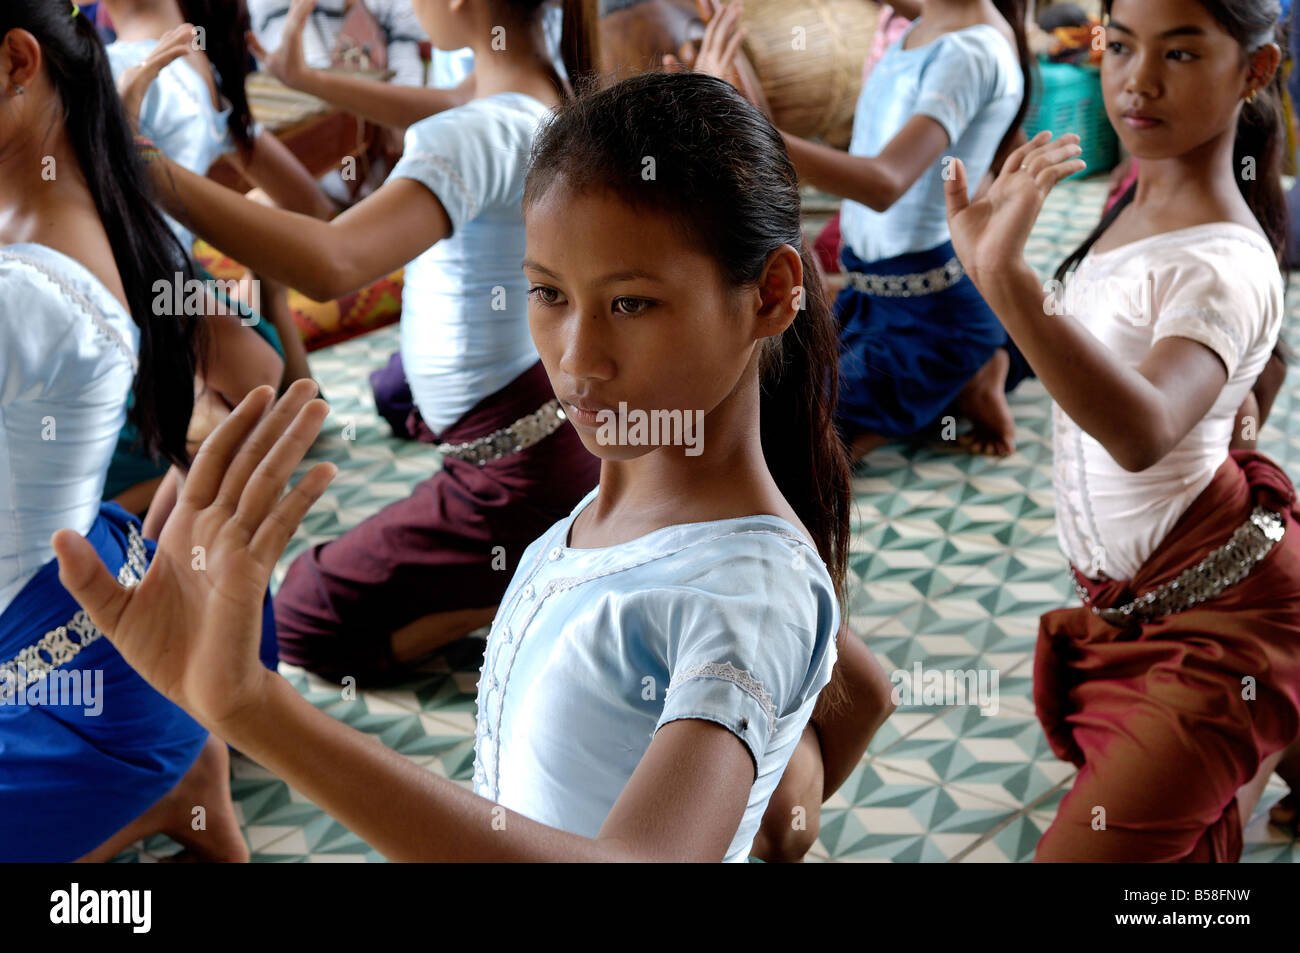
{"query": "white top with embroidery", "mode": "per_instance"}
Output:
(67, 360)
(593, 650)
(1216, 284)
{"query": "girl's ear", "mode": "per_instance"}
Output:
(1264, 63)
(781, 292)
(20, 59)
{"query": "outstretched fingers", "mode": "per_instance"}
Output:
(255, 448)
(278, 527)
(212, 462)
(264, 488)
(1017, 158)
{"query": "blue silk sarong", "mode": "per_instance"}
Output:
(71, 776)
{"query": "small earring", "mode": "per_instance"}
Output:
(19, 89)
(1251, 97)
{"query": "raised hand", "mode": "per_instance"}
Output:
(192, 626)
(990, 233)
(720, 52)
(287, 62)
(135, 82)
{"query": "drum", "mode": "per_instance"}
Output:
(806, 55)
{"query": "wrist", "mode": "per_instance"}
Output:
(243, 725)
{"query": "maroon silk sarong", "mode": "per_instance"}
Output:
(454, 543)
(1167, 719)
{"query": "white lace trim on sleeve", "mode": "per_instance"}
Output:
(730, 673)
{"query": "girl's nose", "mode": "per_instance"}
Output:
(586, 352)
(1143, 79)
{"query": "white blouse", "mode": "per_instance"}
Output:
(67, 360)
(1217, 284)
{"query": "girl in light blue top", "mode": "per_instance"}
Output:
(918, 342)
(659, 654)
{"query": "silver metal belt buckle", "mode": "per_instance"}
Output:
(523, 433)
(909, 286)
(1222, 568)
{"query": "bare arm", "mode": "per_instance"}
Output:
(379, 102)
(683, 803)
(321, 259)
(875, 181)
(1138, 414)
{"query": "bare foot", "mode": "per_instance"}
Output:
(984, 401)
(206, 785)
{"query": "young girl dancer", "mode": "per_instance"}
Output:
(432, 568)
(197, 111)
(397, 107)
(93, 758)
(917, 340)
(660, 650)
(1177, 683)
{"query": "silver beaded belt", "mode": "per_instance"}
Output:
(909, 286)
(524, 432)
(55, 648)
(1222, 568)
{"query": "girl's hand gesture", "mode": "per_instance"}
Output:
(990, 233)
(192, 626)
(720, 54)
(135, 82)
(287, 62)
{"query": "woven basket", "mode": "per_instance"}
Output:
(812, 90)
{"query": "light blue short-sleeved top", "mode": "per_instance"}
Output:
(67, 361)
(593, 650)
(970, 81)
(178, 115)
(465, 304)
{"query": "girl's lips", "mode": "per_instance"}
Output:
(1138, 121)
(585, 416)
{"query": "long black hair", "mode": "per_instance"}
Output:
(225, 25)
(723, 174)
(579, 38)
(1015, 12)
(1261, 131)
(144, 249)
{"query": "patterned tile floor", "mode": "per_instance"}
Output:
(954, 560)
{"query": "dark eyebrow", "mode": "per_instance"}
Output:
(1176, 31)
(630, 275)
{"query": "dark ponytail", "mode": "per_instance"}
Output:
(1014, 12)
(225, 26)
(144, 249)
(1261, 130)
(723, 174)
(579, 37)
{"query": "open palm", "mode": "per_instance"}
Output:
(192, 626)
(992, 231)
